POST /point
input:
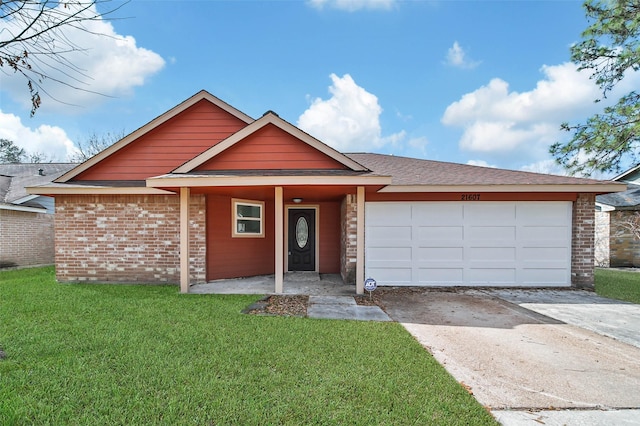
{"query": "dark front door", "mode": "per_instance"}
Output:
(302, 240)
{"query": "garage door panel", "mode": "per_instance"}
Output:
(392, 276)
(543, 213)
(376, 233)
(426, 214)
(481, 254)
(399, 213)
(545, 254)
(533, 233)
(469, 243)
(428, 233)
(491, 276)
(489, 213)
(544, 277)
(440, 254)
(492, 232)
(440, 276)
(389, 253)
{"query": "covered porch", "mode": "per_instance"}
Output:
(279, 195)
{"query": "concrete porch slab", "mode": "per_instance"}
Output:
(294, 283)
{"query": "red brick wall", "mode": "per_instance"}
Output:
(132, 238)
(349, 229)
(582, 241)
(26, 239)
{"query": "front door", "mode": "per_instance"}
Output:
(302, 240)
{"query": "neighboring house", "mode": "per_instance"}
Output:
(205, 192)
(617, 216)
(26, 221)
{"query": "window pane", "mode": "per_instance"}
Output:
(248, 226)
(244, 210)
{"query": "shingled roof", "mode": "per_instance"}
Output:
(14, 178)
(416, 172)
(629, 199)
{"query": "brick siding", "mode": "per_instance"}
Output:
(624, 248)
(582, 242)
(26, 238)
(126, 239)
(348, 232)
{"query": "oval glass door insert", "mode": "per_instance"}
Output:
(302, 232)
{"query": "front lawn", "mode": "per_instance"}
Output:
(107, 354)
(621, 285)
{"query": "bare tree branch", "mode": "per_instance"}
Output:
(33, 42)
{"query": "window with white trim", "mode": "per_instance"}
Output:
(248, 218)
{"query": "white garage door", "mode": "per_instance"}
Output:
(469, 244)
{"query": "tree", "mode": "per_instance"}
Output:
(33, 41)
(610, 48)
(10, 152)
(38, 157)
(94, 144)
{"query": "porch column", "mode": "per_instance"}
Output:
(184, 239)
(279, 239)
(360, 241)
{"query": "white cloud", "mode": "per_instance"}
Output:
(52, 141)
(457, 57)
(349, 120)
(548, 166)
(112, 64)
(353, 5)
(481, 163)
(500, 122)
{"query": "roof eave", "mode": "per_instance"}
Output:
(19, 208)
(94, 190)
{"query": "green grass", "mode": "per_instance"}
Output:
(621, 285)
(108, 354)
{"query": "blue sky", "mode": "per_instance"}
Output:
(477, 82)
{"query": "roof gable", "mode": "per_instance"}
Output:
(165, 142)
(270, 143)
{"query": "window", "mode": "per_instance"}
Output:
(247, 218)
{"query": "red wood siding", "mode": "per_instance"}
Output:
(237, 257)
(329, 224)
(229, 257)
(169, 145)
(271, 148)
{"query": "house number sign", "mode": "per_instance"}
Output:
(470, 197)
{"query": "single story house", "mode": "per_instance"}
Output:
(618, 223)
(26, 221)
(205, 192)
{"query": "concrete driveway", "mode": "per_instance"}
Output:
(528, 350)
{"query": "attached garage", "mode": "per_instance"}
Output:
(502, 243)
